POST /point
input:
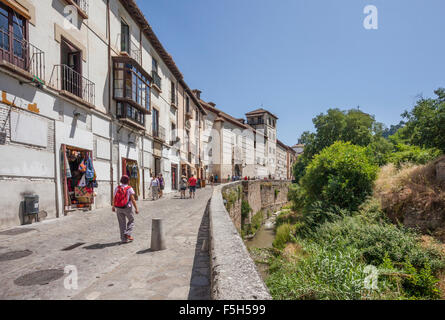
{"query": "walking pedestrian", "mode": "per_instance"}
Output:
(161, 185)
(154, 184)
(192, 186)
(183, 186)
(123, 203)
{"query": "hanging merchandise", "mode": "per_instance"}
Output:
(89, 171)
(82, 167)
(82, 182)
(67, 169)
(134, 171)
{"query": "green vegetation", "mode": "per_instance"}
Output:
(245, 210)
(426, 122)
(256, 223)
(277, 192)
(335, 255)
(337, 242)
(232, 197)
(283, 236)
(341, 175)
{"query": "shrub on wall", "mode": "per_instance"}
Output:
(341, 175)
(245, 210)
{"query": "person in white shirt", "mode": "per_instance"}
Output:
(154, 187)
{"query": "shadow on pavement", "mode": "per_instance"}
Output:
(144, 251)
(200, 280)
(99, 246)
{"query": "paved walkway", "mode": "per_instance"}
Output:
(33, 259)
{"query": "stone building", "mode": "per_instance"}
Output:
(266, 122)
(281, 171)
(89, 83)
(85, 79)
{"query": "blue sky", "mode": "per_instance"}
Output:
(299, 58)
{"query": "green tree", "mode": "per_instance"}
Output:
(341, 175)
(353, 126)
(426, 122)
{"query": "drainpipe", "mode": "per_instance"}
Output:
(109, 104)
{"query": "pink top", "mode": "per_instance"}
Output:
(130, 192)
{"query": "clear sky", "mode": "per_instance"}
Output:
(298, 58)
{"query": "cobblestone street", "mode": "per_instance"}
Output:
(33, 258)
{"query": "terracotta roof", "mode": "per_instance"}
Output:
(260, 111)
(222, 114)
(285, 146)
(138, 16)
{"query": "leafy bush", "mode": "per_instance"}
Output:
(286, 217)
(245, 210)
(256, 223)
(283, 236)
(412, 154)
(374, 240)
(322, 274)
(341, 175)
(296, 196)
(317, 214)
(379, 151)
(337, 252)
(425, 125)
(421, 284)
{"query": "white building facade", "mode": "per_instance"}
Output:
(88, 85)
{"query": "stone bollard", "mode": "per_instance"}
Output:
(157, 236)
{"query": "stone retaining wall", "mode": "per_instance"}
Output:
(262, 195)
(234, 275)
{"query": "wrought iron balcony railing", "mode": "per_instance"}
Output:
(21, 53)
(126, 111)
(82, 4)
(156, 79)
(67, 79)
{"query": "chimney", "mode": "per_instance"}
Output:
(197, 93)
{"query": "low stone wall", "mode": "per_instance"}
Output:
(234, 275)
(260, 194)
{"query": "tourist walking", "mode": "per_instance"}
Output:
(161, 185)
(154, 184)
(183, 186)
(192, 186)
(123, 203)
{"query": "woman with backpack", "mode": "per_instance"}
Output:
(123, 203)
